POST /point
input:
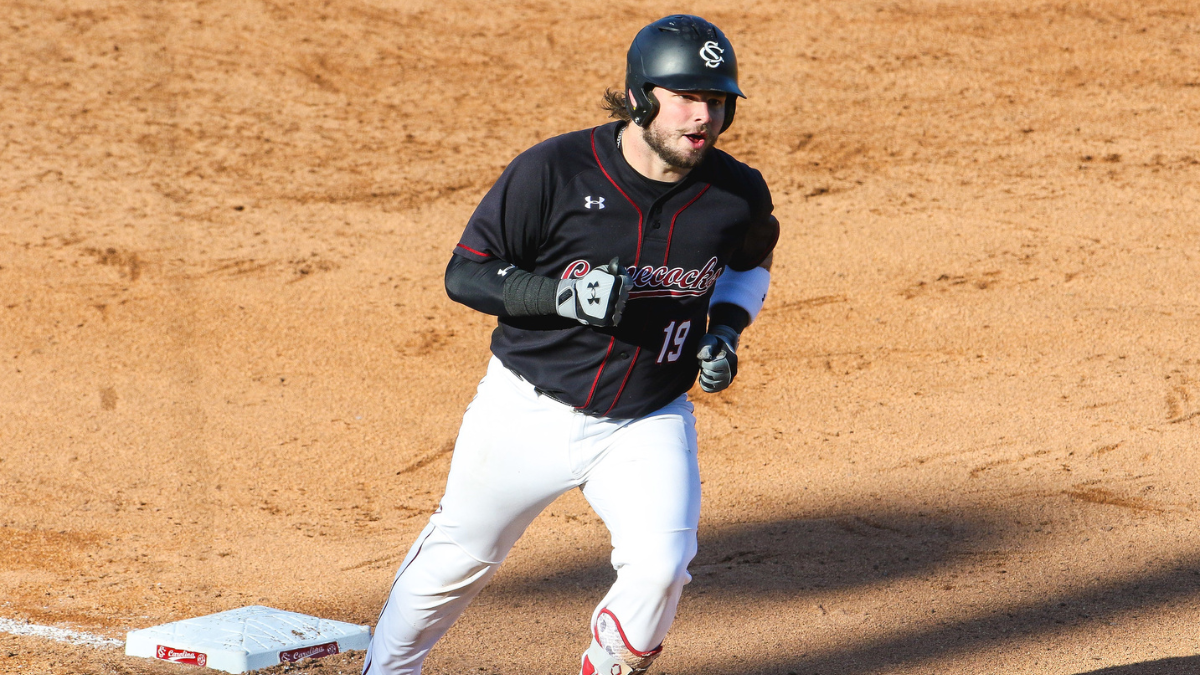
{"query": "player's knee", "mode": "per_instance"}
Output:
(664, 567)
(660, 576)
(437, 571)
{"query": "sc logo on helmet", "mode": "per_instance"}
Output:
(711, 52)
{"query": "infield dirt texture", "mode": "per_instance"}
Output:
(963, 440)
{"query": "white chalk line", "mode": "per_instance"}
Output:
(57, 634)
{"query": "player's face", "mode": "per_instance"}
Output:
(686, 126)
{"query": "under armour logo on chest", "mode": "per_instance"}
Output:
(588, 202)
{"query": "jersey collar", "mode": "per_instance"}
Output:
(626, 176)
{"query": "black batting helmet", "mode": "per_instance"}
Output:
(680, 53)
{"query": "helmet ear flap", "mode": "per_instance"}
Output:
(730, 109)
(642, 109)
(642, 105)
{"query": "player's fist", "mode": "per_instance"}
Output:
(718, 358)
(598, 297)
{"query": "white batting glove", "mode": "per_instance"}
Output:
(718, 358)
(597, 298)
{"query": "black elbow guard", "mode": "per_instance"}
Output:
(527, 294)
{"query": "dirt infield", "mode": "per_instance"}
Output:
(964, 435)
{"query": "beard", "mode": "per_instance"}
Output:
(659, 140)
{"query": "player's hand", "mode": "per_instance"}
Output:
(598, 297)
(718, 358)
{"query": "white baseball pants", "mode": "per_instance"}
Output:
(516, 452)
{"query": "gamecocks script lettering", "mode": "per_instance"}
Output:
(659, 282)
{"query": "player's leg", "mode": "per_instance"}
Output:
(425, 599)
(647, 491)
(507, 467)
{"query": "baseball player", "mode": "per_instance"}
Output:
(621, 261)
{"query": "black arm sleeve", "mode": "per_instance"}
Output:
(499, 288)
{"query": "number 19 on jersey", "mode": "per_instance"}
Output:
(675, 336)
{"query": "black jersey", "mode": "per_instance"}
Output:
(572, 203)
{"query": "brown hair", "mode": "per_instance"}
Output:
(614, 103)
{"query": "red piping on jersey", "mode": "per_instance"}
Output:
(676, 217)
(596, 633)
(627, 373)
(665, 293)
(596, 381)
(637, 257)
(486, 255)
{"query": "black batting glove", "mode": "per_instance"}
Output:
(718, 358)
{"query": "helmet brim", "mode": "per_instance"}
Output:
(725, 85)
